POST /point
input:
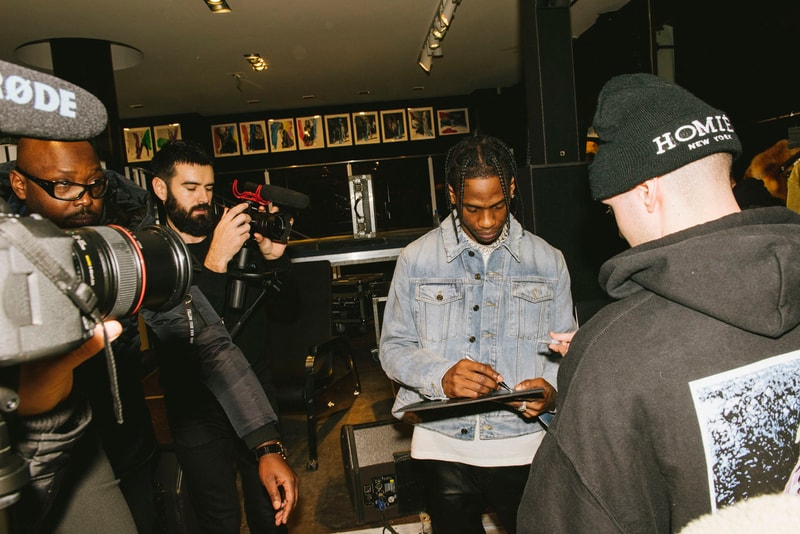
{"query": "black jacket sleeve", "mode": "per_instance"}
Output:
(225, 370)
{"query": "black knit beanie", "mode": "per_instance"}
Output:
(649, 127)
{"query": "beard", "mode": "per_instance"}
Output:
(197, 225)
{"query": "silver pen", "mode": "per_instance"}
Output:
(501, 384)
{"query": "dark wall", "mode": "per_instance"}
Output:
(738, 57)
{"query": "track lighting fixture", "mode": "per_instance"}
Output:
(436, 32)
(256, 62)
(218, 6)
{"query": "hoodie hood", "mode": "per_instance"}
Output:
(742, 269)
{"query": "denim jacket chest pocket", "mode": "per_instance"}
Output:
(531, 308)
(438, 307)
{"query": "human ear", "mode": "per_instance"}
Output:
(160, 188)
(18, 183)
(649, 191)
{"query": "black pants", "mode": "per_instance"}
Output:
(209, 452)
(457, 495)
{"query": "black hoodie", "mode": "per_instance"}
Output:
(683, 396)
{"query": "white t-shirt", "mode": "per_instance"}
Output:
(431, 445)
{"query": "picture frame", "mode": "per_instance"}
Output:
(366, 128)
(281, 135)
(310, 132)
(225, 138)
(420, 124)
(338, 130)
(165, 133)
(393, 126)
(253, 135)
(138, 144)
(452, 121)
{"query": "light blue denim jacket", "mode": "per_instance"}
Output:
(445, 305)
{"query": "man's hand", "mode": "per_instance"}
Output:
(270, 249)
(45, 382)
(470, 379)
(230, 235)
(276, 475)
(562, 339)
(532, 407)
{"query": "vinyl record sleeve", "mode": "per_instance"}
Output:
(495, 396)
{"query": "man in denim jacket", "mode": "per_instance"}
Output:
(472, 304)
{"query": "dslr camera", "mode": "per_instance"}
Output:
(56, 282)
(274, 226)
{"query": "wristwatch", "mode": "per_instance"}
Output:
(271, 448)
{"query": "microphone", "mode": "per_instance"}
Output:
(34, 104)
(264, 193)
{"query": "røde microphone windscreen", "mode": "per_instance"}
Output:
(34, 104)
(271, 193)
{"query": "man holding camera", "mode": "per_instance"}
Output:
(207, 447)
(63, 181)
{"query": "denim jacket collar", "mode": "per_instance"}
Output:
(454, 246)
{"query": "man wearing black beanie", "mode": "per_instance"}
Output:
(681, 397)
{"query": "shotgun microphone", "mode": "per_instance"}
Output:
(263, 194)
(34, 104)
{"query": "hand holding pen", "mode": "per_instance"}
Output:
(501, 383)
(469, 379)
(528, 407)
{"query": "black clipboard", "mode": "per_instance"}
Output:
(494, 396)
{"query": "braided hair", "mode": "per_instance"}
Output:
(479, 156)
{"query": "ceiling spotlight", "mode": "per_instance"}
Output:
(425, 60)
(256, 62)
(432, 47)
(218, 6)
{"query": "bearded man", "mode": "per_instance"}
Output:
(207, 446)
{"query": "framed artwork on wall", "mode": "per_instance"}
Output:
(365, 126)
(420, 123)
(165, 133)
(281, 135)
(310, 132)
(254, 137)
(138, 144)
(453, 121)
(337, 130)
(393, 125)
(226, 140)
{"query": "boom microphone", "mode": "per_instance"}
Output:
(34, 104)
(264, 193)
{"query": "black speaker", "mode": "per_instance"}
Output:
(382, 478)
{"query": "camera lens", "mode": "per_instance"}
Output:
(149, 268)
(273, 226)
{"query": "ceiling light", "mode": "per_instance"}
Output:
(218, 6)
(425, 60)
(256, 62)
(432, 46)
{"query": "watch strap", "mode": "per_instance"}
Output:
(271, 448)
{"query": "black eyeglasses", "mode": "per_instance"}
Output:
(64, 190)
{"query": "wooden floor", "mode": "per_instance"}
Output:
(325, 504)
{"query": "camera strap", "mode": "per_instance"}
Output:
(78, 291)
